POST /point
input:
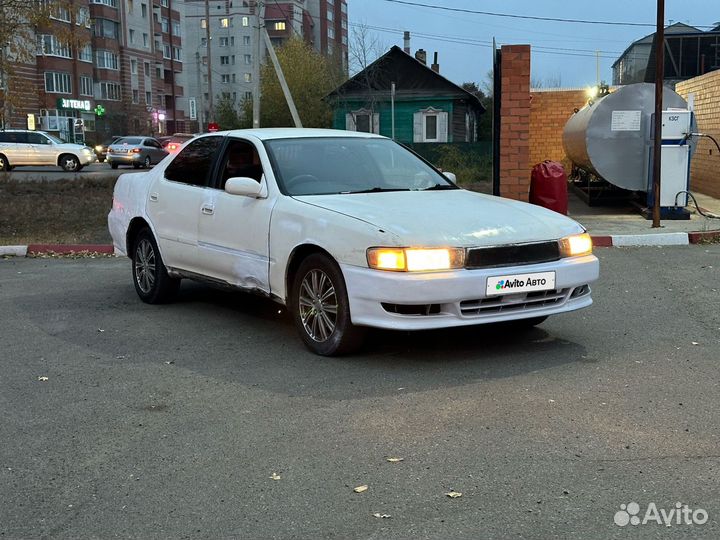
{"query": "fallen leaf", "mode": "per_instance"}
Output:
(551, 400)
(360, 489)
(395, 459)
(275, 476)
(454, 494)
(100, 330)
(42, 378)
(381, 516)
(169, 362)
(694, 343)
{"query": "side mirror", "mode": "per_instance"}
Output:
(242, 185)
(451, 176)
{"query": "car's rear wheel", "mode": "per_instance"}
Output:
(152, 282)
(69, 163)
(321, 310)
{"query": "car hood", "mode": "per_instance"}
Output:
(450, 218)
(73, 146)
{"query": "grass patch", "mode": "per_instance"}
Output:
(473, 171)
(55, 211)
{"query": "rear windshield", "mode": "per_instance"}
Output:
(129, 140)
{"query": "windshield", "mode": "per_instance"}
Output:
(54, 139)
(321, 166)
(128, 140)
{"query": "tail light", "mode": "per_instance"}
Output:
(172, 147)
(136, 150)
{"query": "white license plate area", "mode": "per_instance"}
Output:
(520, 283)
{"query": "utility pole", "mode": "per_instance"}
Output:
(283, 82)
(659, 78)
(258, 60)
(211, 111)
(201, 109)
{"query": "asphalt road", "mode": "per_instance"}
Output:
(92, 171)
(168, 421)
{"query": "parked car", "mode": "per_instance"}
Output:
(135, 151)
(101, 149)
(348, 230)
(20, 147)
(173, 143)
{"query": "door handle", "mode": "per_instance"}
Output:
(154, 197)
(207, 210)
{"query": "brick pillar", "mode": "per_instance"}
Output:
(515, 122)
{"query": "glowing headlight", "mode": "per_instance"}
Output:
(415, 259)
(99, 148)
(576, 245)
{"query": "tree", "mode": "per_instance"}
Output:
(227, 115)
(20, 22)
(485, 123)
(310, 77)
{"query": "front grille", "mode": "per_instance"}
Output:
(518, 254)
(513, 303)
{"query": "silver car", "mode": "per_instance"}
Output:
(20, 147)
(135, 151)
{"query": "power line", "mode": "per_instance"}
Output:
(525, 17)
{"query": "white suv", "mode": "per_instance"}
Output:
(24, 147)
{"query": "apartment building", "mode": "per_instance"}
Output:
(120, 72)
(231, 68)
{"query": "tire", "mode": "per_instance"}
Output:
(136, 165)
(152, 282)
(147, 162)
(113, 165)
(4, 164)
(322, 331)
(70, 163)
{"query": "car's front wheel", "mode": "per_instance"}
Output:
(321, 310)
(152, 282)
(4, 165)
(70, 163)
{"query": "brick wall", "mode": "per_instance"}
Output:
(549, 111)
(705, 170)
(515, 126)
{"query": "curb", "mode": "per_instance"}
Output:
(615, 240)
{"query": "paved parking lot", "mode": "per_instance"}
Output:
(92, 171)
(169, 421)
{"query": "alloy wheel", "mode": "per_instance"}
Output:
(318, 305)
(145, 269)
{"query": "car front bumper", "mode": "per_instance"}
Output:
(458, 297)
(87, 159)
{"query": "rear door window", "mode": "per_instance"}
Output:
(192, 165)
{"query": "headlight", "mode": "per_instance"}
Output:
(576, 245)
(415, 259)
(98, 148)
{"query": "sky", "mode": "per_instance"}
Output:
(563, 53)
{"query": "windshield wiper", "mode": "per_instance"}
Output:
(375, 189)
(439, 187)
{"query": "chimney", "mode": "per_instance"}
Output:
(406, 38)
(435, 66)
(421, 56)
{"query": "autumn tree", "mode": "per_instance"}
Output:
(310, 77)
(227, 114)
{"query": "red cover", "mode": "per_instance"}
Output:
(548, 186)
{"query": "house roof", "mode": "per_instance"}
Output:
(677, 28)
(411, 78)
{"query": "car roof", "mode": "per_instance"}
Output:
(267, 134)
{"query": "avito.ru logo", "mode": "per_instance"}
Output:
(682, 514)
(517, 283)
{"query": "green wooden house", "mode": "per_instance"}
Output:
(427, 107)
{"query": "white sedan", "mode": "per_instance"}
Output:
(348, 230)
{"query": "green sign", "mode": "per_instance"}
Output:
(74, 104)
(100, 110)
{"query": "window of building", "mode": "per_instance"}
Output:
(146, 68)
(224, 42)
(136, 96)
(343, 24)
(165, 3)
(107, 60)
(343, 7)
(111, 3)
(226, 95)
(148, 98)
(330, 15)
(131, 34)
(146, 41)
(177, 54)
(248, 95)
(133, 66)
(159, 72)
(232, 59)
(165, 24)
(86, 53)
(176, 29)
(246, 21)
(279, 25)
(143, 10)
(166, 51)
(58, 82)
(246, 40)
(248, 59)
(248, 77)
(106, 28)
(109, 91)
(203, 23)
(232, 41)
(331, 32)
(86, 86)
(226, 22)
(362, 123)
(224, 60)
(233, 78)
(83, 17)
(430, 127)
(204, 60)
(344, 40)
(51, 46)
(205, 78)
(192, 165)
(203, 42)
(59, 13)
(225, 78)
